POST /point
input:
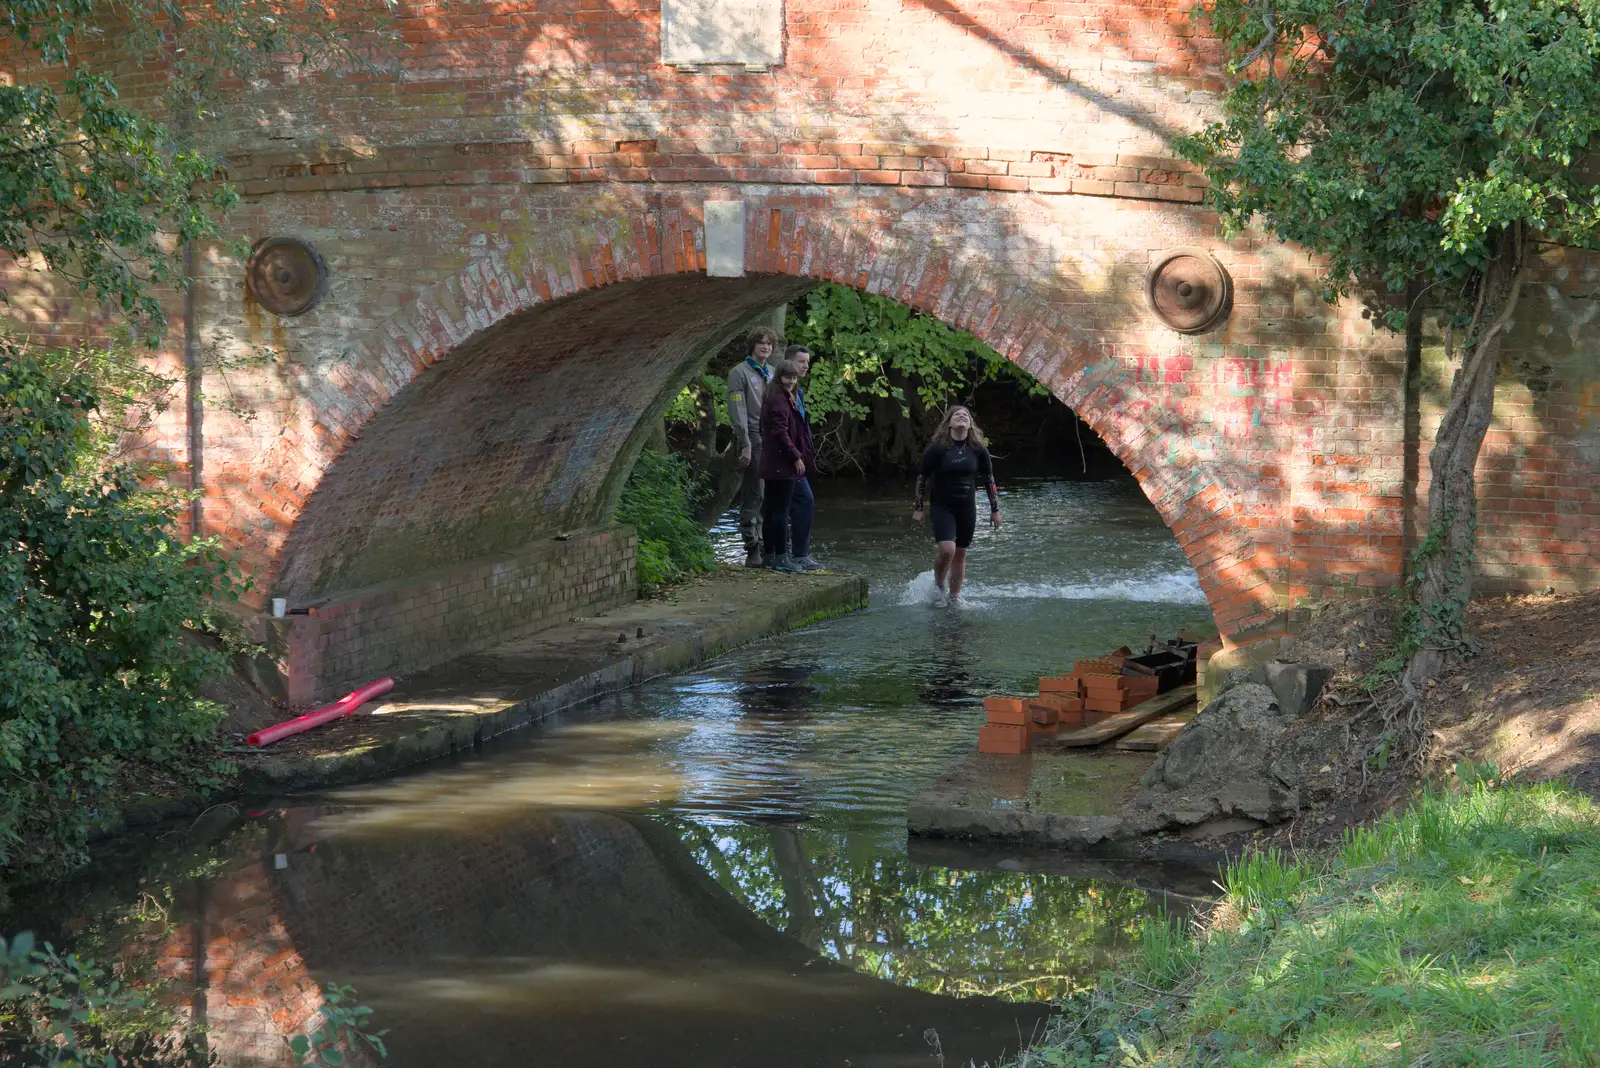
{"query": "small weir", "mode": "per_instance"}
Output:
(712, 870)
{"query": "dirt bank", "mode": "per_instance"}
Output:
(1528, 702)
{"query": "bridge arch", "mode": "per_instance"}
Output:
(506, 402)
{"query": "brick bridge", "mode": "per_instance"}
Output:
(514, 223)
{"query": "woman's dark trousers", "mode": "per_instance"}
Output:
(801, 512)
(777, 497)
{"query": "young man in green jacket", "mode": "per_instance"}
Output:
(747, 384)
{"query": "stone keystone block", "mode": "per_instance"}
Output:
(724, 238)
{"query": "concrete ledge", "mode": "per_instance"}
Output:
(1054, 829)
(413, 623)
(1061, 799)
(459, 704)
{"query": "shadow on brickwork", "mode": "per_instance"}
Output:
(1131, 34)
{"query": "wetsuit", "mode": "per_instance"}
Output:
(949, 483)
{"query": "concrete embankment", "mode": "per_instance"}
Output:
(459, 704)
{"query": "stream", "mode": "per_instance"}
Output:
(710, 870)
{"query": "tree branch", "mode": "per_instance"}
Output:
(36, 149)
(1269, 20)
(1472, 360)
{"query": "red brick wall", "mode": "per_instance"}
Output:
(512, 222)
(484, 448)
(414, 622)
(1539, 476)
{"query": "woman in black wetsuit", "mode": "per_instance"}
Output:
(951, 470)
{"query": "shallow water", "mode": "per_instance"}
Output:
(713, 869)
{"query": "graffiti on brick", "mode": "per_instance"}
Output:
(580, 467)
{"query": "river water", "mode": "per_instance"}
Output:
(712, 869)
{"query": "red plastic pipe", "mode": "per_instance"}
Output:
(318, 716)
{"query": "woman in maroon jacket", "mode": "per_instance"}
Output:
(785, 458)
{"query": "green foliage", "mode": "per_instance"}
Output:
(97, 680)
(1262, 883)
(344, 1022)
(1014, 935)
(658, 502)
(685, 407)
(134, 391)
(90, 188)
(93, 189)
(1462, 931)
(68, 1011)
(865, 346)
(881, 377)
(1401, 139)
(1167, 954)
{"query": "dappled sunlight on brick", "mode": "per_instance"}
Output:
(514, 224)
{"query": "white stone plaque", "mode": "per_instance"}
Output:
(698, 33)
(724, 238)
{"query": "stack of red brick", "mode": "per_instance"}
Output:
(1096, 689)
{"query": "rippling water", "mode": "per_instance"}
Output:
(713, 869)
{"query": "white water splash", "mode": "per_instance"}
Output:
(919, 590)
(1174, 587)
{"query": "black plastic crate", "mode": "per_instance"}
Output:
(1172, 669)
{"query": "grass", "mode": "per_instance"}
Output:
(1464, 931)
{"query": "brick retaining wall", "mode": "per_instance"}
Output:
(404, 626)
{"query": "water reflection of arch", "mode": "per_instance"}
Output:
(589, 938)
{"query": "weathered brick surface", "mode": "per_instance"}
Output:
(1539, 476)
(513, 226)
(412, 623)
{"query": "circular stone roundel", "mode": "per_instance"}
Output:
(1189, 290)
(286, 275)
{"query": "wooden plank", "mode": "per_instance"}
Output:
(1158, 733)
(1116, 726)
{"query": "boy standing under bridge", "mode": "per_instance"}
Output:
(747, 385)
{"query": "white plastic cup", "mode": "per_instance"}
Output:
(280, 607)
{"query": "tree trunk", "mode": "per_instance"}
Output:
(1411, 427)
(1445, 559)
(789, 857)
(720, 469)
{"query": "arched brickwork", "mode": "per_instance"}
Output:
(502, 403)
(524, 382)
(524, 429)
(1007, 165)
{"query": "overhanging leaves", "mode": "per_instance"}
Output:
(1398, 139)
